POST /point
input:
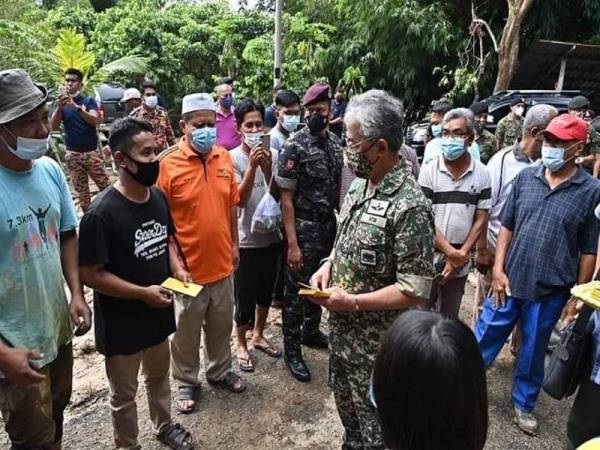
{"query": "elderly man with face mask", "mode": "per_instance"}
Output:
(458, 187)
(197, 178)
(308, 175)
(547, 243)
(382, 260)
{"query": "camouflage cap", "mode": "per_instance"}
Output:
(18, 95)
(318, 92)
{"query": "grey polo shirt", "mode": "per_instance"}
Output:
(455, 201)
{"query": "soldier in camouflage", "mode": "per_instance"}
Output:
(382, 261)
(486, 140)
(590, 159)
(308, 175)
(510, 128)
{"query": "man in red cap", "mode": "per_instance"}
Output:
(547, 244)
(308, 174)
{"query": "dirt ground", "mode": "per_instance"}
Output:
(277, 412)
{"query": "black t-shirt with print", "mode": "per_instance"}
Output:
(131, 240)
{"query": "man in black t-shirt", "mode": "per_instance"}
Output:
(124, 256)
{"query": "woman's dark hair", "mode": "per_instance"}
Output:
(429, 385)
(247, 106)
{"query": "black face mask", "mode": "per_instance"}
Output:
(317, 123)
(147, 173)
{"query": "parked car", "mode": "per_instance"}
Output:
(499, 103)
(415, 136)
(108, 97)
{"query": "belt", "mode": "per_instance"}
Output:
(313, 216)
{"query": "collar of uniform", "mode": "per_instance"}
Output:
(443, 168)
(392, 180)
(313, 139)
(580, 176)
(187, 150)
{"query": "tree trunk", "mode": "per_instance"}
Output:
(508, 50)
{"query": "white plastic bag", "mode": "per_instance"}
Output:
(267, 216)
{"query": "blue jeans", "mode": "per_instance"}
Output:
(537, 321)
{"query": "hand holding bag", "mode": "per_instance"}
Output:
(570, 361)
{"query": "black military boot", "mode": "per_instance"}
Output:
(297, 366)
(315, 339)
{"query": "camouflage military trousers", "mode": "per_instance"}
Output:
(82, 165)
(350, 385)
(300, 316)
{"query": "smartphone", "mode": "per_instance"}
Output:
(265, 142)
(62, 91)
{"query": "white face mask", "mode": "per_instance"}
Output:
(28, 148)
(151, 102)
(252, 139)
(519, 111)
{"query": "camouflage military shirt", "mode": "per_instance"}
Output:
(592, 146)
(509, 131)
(311, 166)
(385, 237)
(487, 145)
(162, 129)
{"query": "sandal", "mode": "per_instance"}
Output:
(245, 364)
(270, 350)
(185, 393)
(229, 383)
(176, 437)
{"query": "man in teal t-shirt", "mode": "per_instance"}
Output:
(38, 239)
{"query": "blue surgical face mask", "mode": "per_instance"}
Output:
(553, 158)
(28, 148)
(227, 101)
(290, 123)
(436, 130)
(203, 139)
(151, 102)
(453, 147)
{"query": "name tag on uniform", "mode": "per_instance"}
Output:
(378, 207)
(379, 222)
(368, 257)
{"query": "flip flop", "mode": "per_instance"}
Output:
(269, 350)
(185, 393)
(245, 364)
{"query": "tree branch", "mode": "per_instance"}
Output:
(489, 30)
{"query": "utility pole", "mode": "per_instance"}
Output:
(278, 42)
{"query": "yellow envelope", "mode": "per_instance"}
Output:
(313, 293)
(173, 284)
(589, 293)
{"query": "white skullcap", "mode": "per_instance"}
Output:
(197, 102)
(131, 93)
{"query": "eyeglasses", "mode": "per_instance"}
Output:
(356, 146)
(455, 133)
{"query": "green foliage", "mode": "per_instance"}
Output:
(417, 49)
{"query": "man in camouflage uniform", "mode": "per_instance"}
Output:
(308, 174)
(591, 152)
(486, 140)
(157, 116)
(382, 261)
(510, 128)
